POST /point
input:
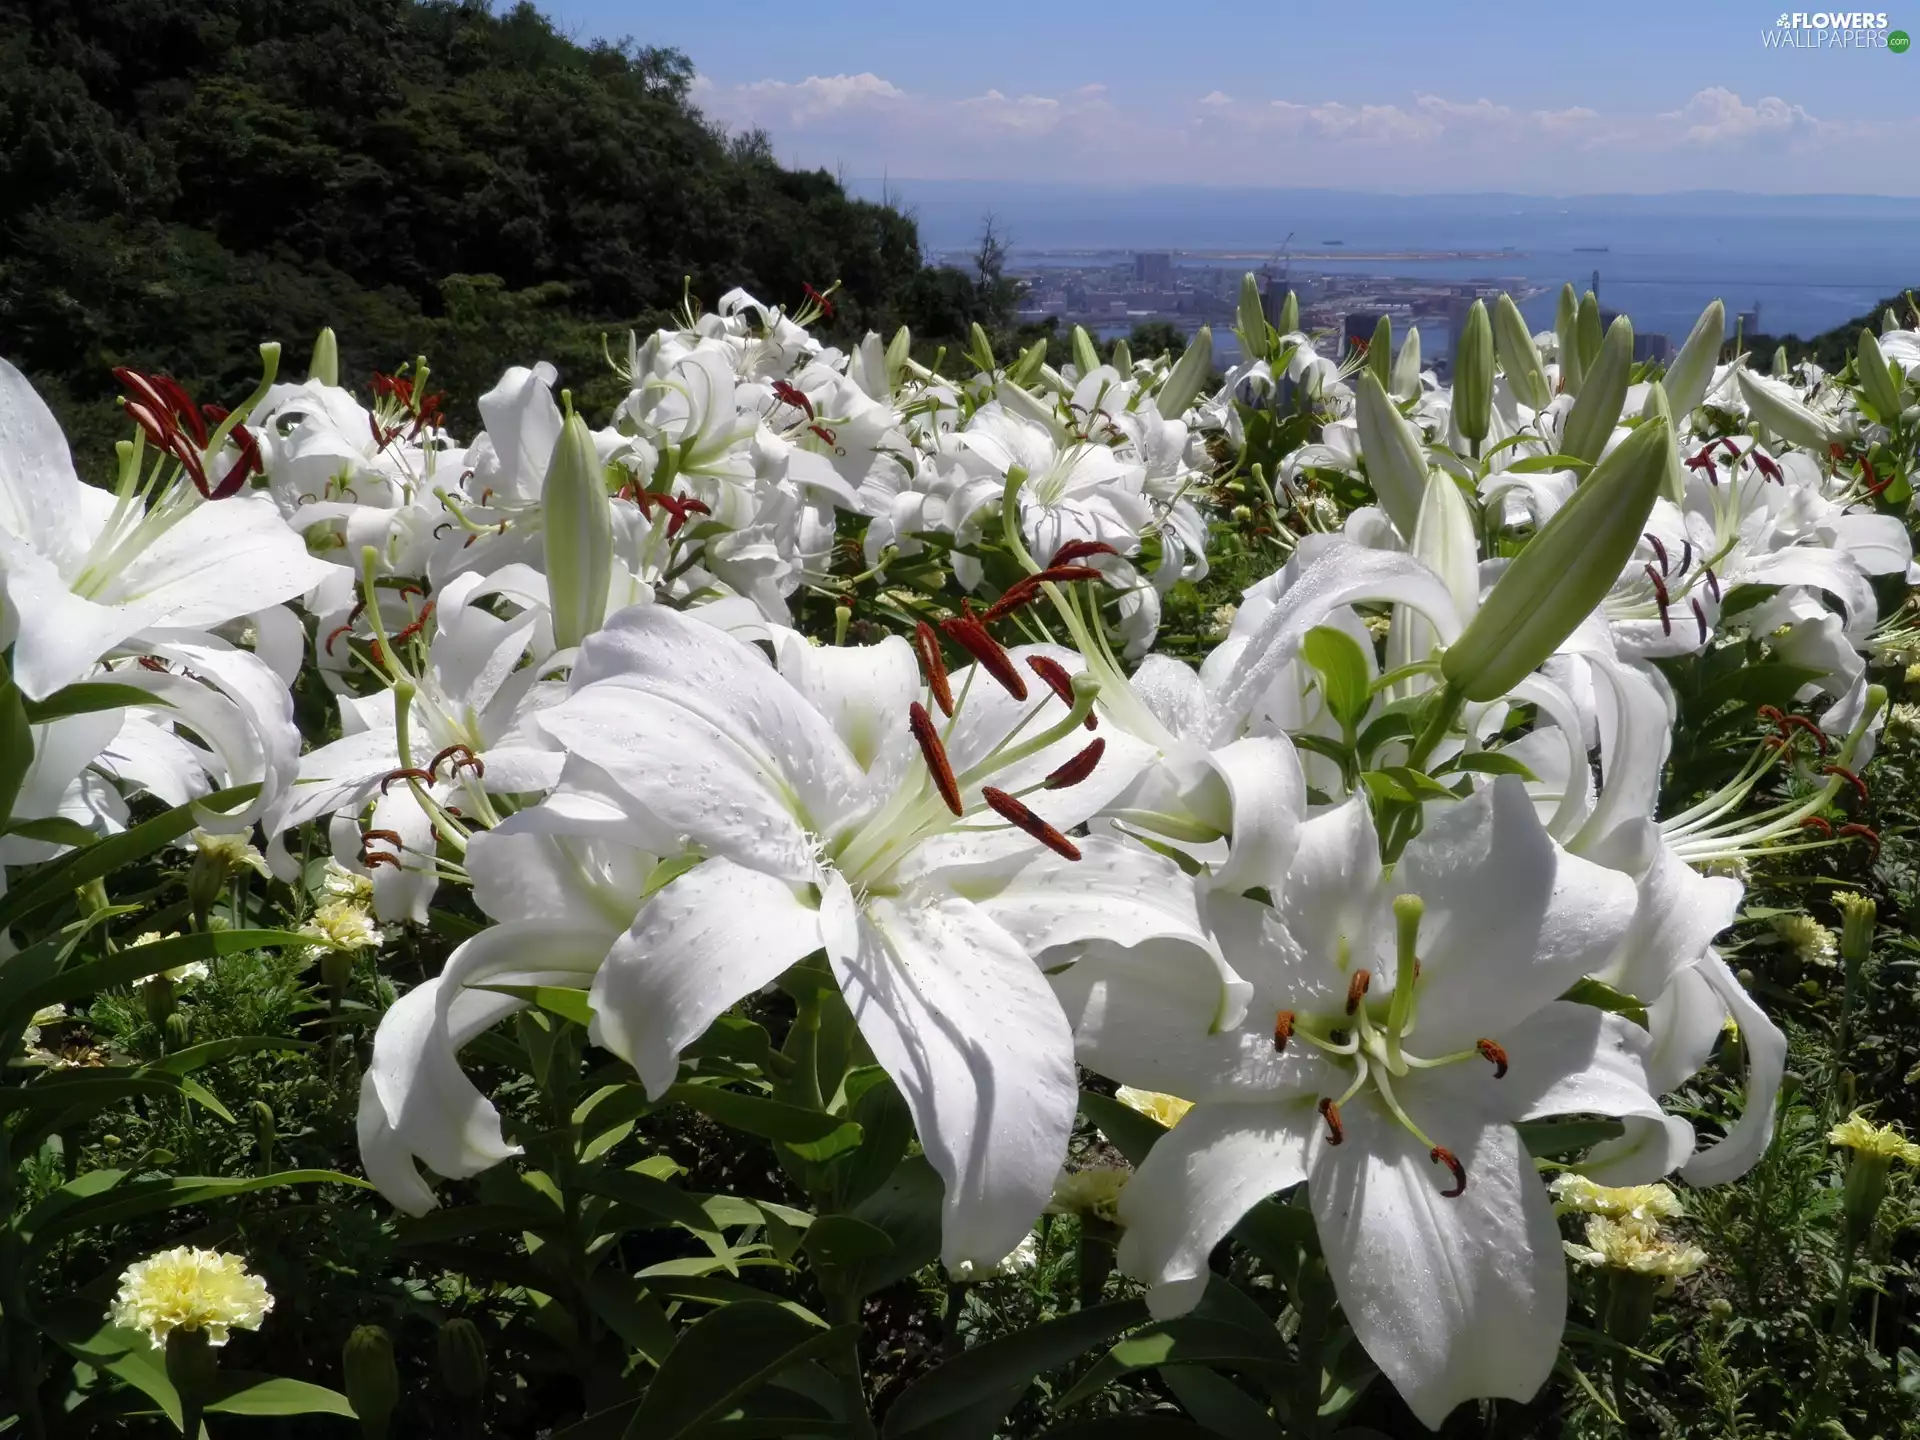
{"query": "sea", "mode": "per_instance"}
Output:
(1806, 262)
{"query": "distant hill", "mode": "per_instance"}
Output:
(1835, 347)
(180, 179)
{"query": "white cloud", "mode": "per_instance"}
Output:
(1715, 138)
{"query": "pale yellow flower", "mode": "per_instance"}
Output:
(234, 852)
(1811, 941)
(186, 1289)
(1092, 1194)
(45, 1015)
(1889, 1142)
(1904, 717)
(1167, 1109)
(1222, 621)
(1636, 1246)
(340, 883)
(1642, 1203)
(342, 925)
(180, 974)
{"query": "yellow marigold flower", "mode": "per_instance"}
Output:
(1811, 941)
(1222, 621)
(342, 925)
(1889, 1142)
(1167, 1109)
(1636, 1246)
(340, 883)
(1905, 717)
(233, 852)
(1645, 1204)
(186, 1289)
(1092, 1194)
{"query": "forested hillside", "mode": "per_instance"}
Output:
(180, 179)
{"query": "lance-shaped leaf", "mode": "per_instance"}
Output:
(1564, 571)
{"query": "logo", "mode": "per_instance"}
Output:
(1834, 30)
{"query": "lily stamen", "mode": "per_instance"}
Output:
(1019, 816)
(1330, 1113)
(1076, 769)
(1440, 1155)
(935, 754)
(927, 646)
(1495, 1054)
(1357, 989)
(1282, 1031)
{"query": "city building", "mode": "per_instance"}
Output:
(1154, 269)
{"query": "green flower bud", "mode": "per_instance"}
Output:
(463, 1359)
(1876, 379)
(1122, 357)
(1565, 570)
(980, 349)
(1857, 916)
(1189, 373)
(1566, 331)
(325, 364)
(1518, 354)
(1889, 322)
(1782, 414)
(1084, 355)
(1692, 369)
(1026, 369)
(157, 995)
(1251, 321)
(266, 1132)
(371, 1380)
(1603, 394)
(206, 879)
(1406, 367)
(112, 1142)
(1473, 378)
(1781, 370)
(899, 351)
(1674, 486)
(1589, 330)
(1396, 460)
(179, 1028)
(1290, 314)
(1380, 352)
(336, 972)
(578, 524)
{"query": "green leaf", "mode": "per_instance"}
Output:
(88, 696)
(1131, 1133)
(1185, 1341)
(1006, 1366)
(16, 749)
(244, 1393)
(1132, 1427)
(1222, 1406)
(811, 1134)
(1416, 784)
(61, 877)
(629, 1187)
(194, 1057)
(1345, 676)
(62, 1214)
(1549, 1139)
(554, 999)
(722, 1358)
(853, 1250)
(124, 1354)
(1602, 996)
(1769, 682)
(907, 1211)
(132, 964)
(1488, 762)
(886, 1127)
(1535, 464)
(53, 830)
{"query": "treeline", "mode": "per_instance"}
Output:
(1833, 348)
(180, 179)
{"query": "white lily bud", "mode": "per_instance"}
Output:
(1589, 331)
(1396, 460)
(577, 520)
(899, 351)
(325, 364)
(1084, 355)
(1445, 540)
(1782, 414)
(1781, 370)
(1473, 378)
(1187, 376)
(980, 348)
(1566, 333)
(1889, 322)
(1290, 314)
(1692, 368)
(1251, 320)
(1122, 357)
(1876, 379)
(1380, 352)
(1564, 572)
(1518, 354)
(1406, 367)
(1602, 397)
(1026, 369)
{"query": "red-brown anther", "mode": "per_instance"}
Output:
(687, 507)
(1859, 785)
(1875, 486)
(1076, 769)
(1019, 816)
(826, 305)
(1440, 1155)
(1867, 833)
(1055, 676)
(934, 666)
(1012, 598)
(373, 859)
(1494, 1054)
(1282, 1031)
(1066, 574)
(1658, 548)
(335, 635)
(1725, 442)
(155, 430)
(1686, 556)
(407, 632)
(1814, 822)
(1700, 617)
(941, 768)
(153, 662)
(1773, 713)
(825, 435)
(1330, 1113)
(1800, 722)
(792, 395)
(970, 635)
(1357, 989)
(1767, 468)
(424, 776)
(1836, 452)
(1076, 550)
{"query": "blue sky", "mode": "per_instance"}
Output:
(1541, 97)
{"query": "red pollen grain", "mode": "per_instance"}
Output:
(1019, 816)
(1330, 1113)
(927, 646)
(935, 754)
(1282, 1031)
(1495, 1054)
(1076, 769)
(1357, 989)
(1440, 1155)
